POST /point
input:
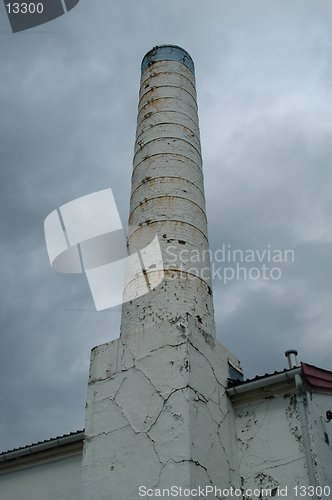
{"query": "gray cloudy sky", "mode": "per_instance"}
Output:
(68, 95)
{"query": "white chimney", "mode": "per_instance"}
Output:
(168, 195)
(157, 412)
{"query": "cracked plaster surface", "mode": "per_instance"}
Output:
(157, 407)
(270, 445)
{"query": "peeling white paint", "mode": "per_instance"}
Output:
(270, 441)
(173, 397)
(320, 432)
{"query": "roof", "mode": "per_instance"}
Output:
(47, 444)
(234, 383)
(316, 379)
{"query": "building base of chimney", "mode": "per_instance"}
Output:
(157, 415)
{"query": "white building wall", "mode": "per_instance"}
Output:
(56, 480)
(271, 451)
(321, 434)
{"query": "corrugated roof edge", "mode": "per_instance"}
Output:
(316, 379)
(72, 437)
(264, 381)
(234, 383)
(308, 370)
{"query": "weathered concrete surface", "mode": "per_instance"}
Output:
(157, 414)
(271, 452)
(271, 442)
(168, 196)
(320, 432)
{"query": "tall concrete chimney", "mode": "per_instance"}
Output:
(168, 195)
(157, 413)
